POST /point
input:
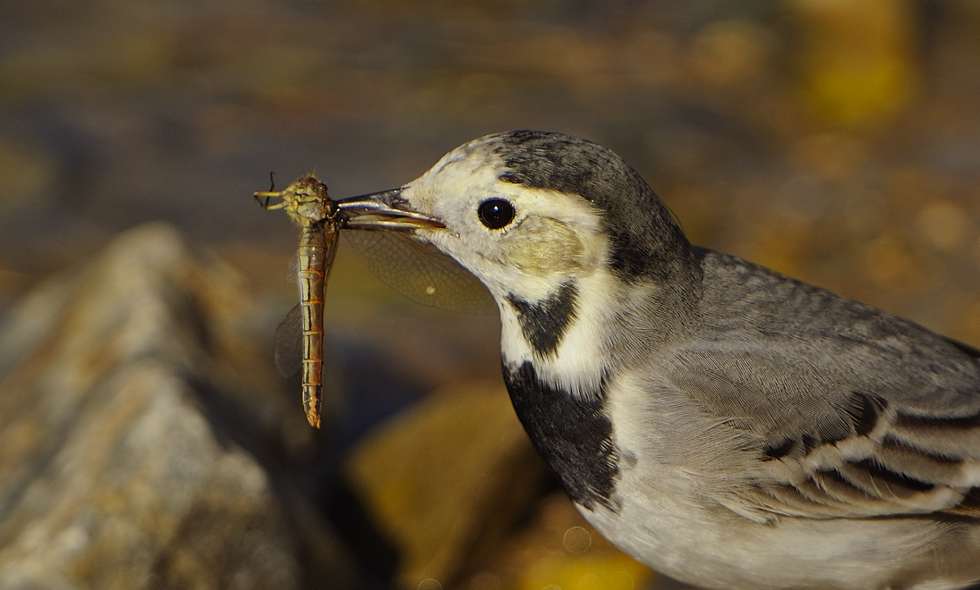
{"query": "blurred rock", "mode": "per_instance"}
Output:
(446, 479)
(726, 52)
(136, 432)
(30, 174)
(944, 225)
(857, 59)
(559, 549)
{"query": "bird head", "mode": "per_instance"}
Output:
(560, 230)
(526, 211)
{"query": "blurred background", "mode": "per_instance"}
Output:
(835, 141)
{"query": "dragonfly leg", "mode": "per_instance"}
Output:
(266, 195)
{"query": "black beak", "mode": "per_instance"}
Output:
(386, 210)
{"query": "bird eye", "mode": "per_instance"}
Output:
(495, 213)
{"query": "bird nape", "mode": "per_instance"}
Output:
(724, 424)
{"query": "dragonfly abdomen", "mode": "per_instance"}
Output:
(313, 253)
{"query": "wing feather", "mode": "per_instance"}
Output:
(820, 406)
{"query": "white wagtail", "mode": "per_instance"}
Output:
(724, 424)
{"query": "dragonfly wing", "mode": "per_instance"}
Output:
(292, 269)
(420, 271)
(288, 343)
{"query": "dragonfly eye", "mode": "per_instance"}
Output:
(495, 213)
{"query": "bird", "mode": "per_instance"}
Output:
(724, 424)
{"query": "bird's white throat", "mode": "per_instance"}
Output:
(577, 365)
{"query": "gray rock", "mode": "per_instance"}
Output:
(131, 418)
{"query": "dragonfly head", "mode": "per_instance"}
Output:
(305, 200)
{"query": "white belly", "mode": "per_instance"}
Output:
(719, 550)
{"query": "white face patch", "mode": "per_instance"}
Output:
(554, 239)
(552, 236)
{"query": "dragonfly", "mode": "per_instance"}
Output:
(418, 271)
(308, 203)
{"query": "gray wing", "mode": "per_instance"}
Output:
(847, 411)
(288, 342)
